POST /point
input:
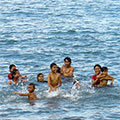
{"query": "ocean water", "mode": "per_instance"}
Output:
(35, 33)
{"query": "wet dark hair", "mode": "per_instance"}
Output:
(68, 58)
(12, 65)
(14, 72)
(39, 75)
(32, 84)
(52, 64)
(98, 66)
(58, 69)
(74, 82)
(104, 69)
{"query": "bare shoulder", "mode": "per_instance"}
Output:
(58, 74)
(63, 66)
(72, 67)
(49, 74)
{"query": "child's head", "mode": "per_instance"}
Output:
(104, 70)
(31, 87)
(40, 77)
(53, 67)
(58, 69)
(12, 67)
(97, 68)
(15, 74)
(67, 61)
(76, 82)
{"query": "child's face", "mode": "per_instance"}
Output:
(14, 67)
(66, 62)
(54, 68)
(97, 70)
(30, 88)
(41, 78)
(17, 74)
(105, 72)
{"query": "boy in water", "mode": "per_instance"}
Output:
(104, 77)
(67, 70)
(11, 68)
(40, 78)
(54, 78)
(31, 95)
(15, 77)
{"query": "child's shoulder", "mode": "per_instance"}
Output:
(63, 66)
(71, 67)
(58, 74)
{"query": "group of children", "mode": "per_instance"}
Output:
(54, 77)
(101, 77)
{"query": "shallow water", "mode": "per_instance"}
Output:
(33, 34)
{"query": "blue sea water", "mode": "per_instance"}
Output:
(35, 33)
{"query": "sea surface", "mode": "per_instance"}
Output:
(35, 33)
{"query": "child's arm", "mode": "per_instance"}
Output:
(69, 74)
(94, 82)
(100, 76)
(59, 81)
(23, 77)
(109, 77)
(21, 94)
(9, 82)
(61, 70)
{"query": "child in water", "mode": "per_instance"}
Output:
(31, 95)
(11, 68)
(40, 78)
(104, 77)
(67, 70)
(54, 78)
(15, 77)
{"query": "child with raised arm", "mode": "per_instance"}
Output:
(104, 77)
(67, 70)
(31, 95)
(11, 68)
(15, 77)
(54, 78)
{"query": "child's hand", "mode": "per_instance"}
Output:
(24, 81)
(9, 82)
(24, 76)
(111, 83)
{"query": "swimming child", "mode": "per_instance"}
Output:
(15, 77)
(54, 78)
(11, 68)
(31, 95)
(95, 81)
(40, 78)
(104, 77)
(67, 70)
